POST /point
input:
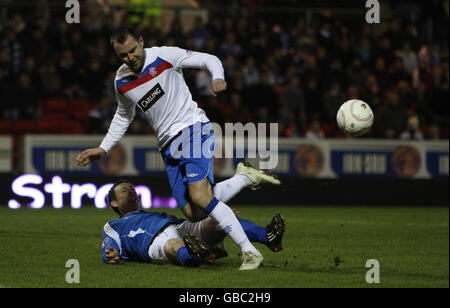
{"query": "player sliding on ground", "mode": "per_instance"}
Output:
(159, 237)
(152, 79)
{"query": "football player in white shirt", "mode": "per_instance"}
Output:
(152, 79)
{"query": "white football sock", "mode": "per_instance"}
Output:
(226, 190)
(226, 219)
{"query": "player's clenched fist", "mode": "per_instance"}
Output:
(89, 155)
(218, 85)
(112, 255)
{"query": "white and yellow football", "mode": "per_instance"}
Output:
(355, 117)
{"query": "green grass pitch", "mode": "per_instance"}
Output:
(323, 247)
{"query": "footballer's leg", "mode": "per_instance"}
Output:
(209, 234)
(256, 176)
(274, 232)
(245, 175)
(193, 212)
(170, 246)
(187, 252)
(271, 235)
(197, 249)
(201, 194)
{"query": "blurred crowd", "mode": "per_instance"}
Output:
(279, 68)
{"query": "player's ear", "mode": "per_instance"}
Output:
(141, 41)
(115, 204)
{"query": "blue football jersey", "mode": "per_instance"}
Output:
(131, 234)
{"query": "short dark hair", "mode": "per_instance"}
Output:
(120, 35)
(112, 195)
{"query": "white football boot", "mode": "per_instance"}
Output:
(256, 176)
(251, 261)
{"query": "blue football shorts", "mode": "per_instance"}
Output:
(189, 158)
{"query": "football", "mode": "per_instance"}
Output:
(355, 117)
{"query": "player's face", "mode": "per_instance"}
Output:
(127, 198)
(132, 53)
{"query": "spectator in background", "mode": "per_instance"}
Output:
(332, 100)
(237, 82)
(229, 46)
(242, 30)
(238, 113)
(214, 109)
(315, 130)
(335, 71)
(263, 100)
(364, 49)
(100, 116)
(409, 57)
(152, 33)
(433, 132)
(383, 51)
(439, 98)
(412, 131)
(23, 99)
(5, 106)
(251, 72)
(210, 45)
(381, 73)
(355, 74)
(271, 67)
(12, 53)
(292, 103)
(51, 79)
(397, 71)
(230, 66)
(352, 92)
(67, 68)
(31, 69)
(372, 92)
(203, 83)
(391, 118)
(199, 34)
(313, 98)
(175, 33)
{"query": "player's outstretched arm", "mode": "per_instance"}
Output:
(90, 155)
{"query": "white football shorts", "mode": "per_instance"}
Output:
(156, 249)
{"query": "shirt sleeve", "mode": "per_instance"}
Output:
(121, 121)
(182, 58)
(109, 241)
(111, 238)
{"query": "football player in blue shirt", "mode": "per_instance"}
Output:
(160, 237)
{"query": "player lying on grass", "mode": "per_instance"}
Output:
(160, 237)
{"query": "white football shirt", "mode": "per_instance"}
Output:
(160, 92)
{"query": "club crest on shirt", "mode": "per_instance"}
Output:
(151, 97)
(152, 71)
(105, 241)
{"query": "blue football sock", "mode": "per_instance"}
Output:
(186, 259)
(254, 232)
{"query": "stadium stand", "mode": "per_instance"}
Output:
(291, 65)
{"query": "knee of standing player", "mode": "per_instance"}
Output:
(193, 213)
